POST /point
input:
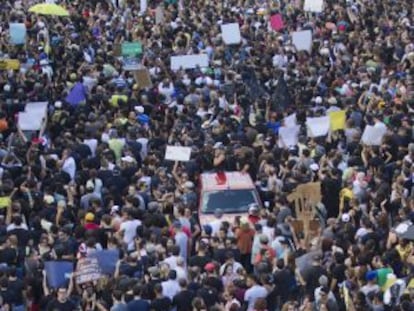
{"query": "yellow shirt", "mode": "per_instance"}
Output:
(115, 99)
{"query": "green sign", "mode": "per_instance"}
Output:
(131, 49)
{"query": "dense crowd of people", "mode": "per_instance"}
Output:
(94, 177)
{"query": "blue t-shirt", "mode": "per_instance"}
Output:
(138, 304)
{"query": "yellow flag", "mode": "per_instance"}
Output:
(9, 64)
(337, 119)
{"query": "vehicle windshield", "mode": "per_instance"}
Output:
(229, 201)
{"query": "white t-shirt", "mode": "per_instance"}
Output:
(252, 294)
(92, 144)
(129, 228)
(69, 166)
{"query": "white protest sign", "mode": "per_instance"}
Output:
(32, 118)
(313, 6)
(143, 5)
(231, 33)
(302, 40)
(290, 120)
(178, 153)
(318, 126)
(288, 136)
(373, 135)
(189, 61)
(159, 15)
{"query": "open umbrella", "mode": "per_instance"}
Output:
(49, 9)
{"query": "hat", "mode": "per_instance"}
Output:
(89, 217)
(371, 275)
(318, 100)
(253, 208)
(218, 213)
(139, 109)
(128, 159)
(218, 145)
(90, 185)
(314, 167)
(49, 199)
(210, 267)
(264, 239)
(332, 101)
(345, 217)
(189, 185)
(114, 209)
(58, 104)
(177, 224)
(323, 280)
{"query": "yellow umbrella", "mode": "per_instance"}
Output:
(49, 9)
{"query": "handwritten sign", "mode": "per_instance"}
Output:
(87, 270)
(17, 33)
(33, 117)
(315, 6)
(189, 61)
(373, 135)
(178, 153)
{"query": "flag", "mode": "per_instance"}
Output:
(76, 95)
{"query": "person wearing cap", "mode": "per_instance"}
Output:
(90, 222)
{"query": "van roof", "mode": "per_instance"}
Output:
(226, 180)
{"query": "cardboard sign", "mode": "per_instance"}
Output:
(318, 126)
(107, 260)
(9, 64)
(87, 270)
(131, 49)
(276, 22)
(306, 197)
(33, 117)
(178, 153)
(189, 61)
(143, 78)
(302, 40)
(117, 50)
(17, 33)
(337, 120)
(57, 273)
(373, 135)
(231, 33)
(315, 6)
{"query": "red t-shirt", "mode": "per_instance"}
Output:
(91, 226)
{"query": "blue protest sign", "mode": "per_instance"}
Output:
(57, 272)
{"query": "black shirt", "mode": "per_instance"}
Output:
(161, 304)
(199, 261)
(16, 288)
(183, 300)
(56, 305)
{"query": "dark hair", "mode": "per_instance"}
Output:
(117, 294)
